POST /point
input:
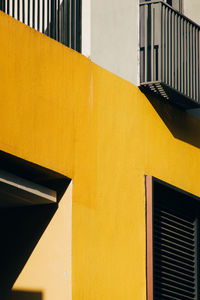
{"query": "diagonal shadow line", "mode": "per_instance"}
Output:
(20, 229)
(181, 124)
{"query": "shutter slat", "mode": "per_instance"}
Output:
(176, 272)
(177, 235)
(176, 261)
(180, 218)
(162, 231)
(177, 291)
(173, 277)
(170, 222)
(170, 253)
(174, 250)
(168, 291)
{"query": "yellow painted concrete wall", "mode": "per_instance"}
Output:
(62, 111)
(48, 271)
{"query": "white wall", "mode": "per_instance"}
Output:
(114, 36)
(191, 8)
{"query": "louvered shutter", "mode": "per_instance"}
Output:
(175, 246)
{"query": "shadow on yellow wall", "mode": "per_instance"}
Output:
(20, 230)
(181, 124)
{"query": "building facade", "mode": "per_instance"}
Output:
(99, 185)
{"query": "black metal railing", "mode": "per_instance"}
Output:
(169, 53)
(58, 19)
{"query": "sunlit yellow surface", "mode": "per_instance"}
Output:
(63, 112)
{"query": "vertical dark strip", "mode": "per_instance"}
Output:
(58, 21)
(68, 23)
(79, 26)
(188, 59)
(198, 75)
(8, 6)
(63, 23)
(73, 24)
(38, 16)
(53, 19)
(23, 11)
(29, 9)
(18, 10)
(197, 64)
(2, 5)
(13, 8)
(149, 230)
(141, 36)
(43, 15)
(33, 14)
(152, 43)
(48, 22)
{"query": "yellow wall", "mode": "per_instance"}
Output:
(62, 111)
(48, 270)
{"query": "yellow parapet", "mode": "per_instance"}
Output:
(63, 112)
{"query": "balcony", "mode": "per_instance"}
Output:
(58, 19)
(169, 54)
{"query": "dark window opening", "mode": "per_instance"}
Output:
(172, 242)
(169, 2)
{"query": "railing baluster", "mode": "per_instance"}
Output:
(191, 63)
(28, 13)
(152, 44)
(166, 44)
(33, 14)
(13, 8)
(23, 11)
(176, 50)
(188, 59)
(194, 63)
(8, 7)
(146, 40)
(197, 64)
(52, 20)
(18, 9)
(181, 55)
(72, 33)
(59, 19)
(43, 15)
(38, 15)
(185, 57)
(173, 52)
(63, 22)
(170, 47)
(2, 5)
(162, 41)
(48, 21)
